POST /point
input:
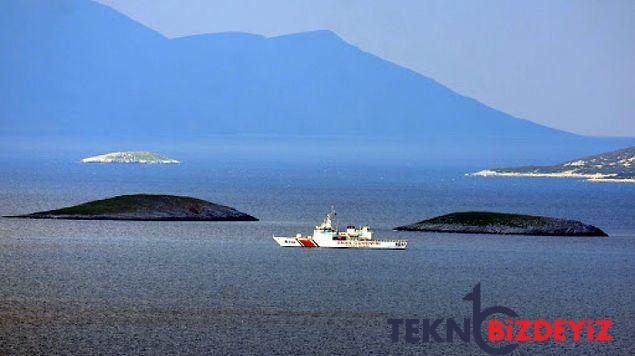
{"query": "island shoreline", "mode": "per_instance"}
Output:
(586, 177)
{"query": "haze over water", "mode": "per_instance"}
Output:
(227, 288)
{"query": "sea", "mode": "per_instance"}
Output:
(226, 288)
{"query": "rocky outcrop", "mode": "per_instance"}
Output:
(504, 224)
(146, 207)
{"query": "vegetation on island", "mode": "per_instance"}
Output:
(484, 222)
(146, 207)
(611, 166)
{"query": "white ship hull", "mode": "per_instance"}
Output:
(369, 244)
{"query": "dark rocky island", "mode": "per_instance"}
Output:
(475, 222)
(145, 207)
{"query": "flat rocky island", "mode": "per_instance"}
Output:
(476, 222)
(145, 207)
(141, 157)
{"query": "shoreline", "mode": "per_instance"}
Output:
(588, 177)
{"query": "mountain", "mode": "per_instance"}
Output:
(611, 166)
(77, 68)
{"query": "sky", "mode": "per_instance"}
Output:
(565, 64)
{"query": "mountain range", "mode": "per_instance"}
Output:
(76, 68)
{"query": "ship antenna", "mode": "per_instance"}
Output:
(332, 215)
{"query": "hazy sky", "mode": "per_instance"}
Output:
(565, 64)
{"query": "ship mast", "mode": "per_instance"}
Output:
(328, 220)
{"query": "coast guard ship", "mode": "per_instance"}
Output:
(324, 235)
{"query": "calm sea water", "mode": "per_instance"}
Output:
(227, 288)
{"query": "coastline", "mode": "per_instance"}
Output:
(598, 177)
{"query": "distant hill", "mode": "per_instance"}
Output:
(77, 68)
(611, 166)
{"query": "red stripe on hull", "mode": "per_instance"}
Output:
(307, 243)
